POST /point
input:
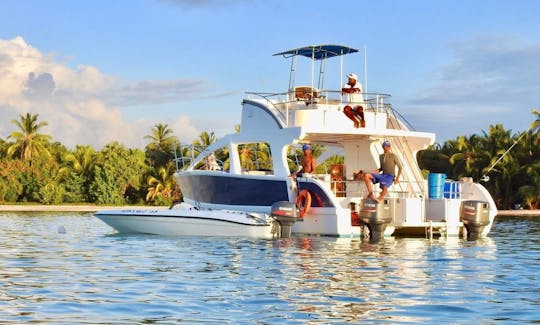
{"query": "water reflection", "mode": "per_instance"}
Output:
(90, 274)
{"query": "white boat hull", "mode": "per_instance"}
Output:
(188, 221)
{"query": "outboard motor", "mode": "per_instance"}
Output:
(377, 216)
(286, 214)
(475, 217)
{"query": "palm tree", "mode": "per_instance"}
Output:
(205, 139)
(162, 143)
(248, 156)
(82, 160)
(469, 155)
(161, 186)
(28, 142)
(326, 165)
(535, 125)
(162, 137)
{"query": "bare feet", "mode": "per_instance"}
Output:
(356, 124)
(371, 196)
(363, 123)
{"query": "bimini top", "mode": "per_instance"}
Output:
(319, 52)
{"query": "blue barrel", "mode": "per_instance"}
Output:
(451, 190)
(436, 185)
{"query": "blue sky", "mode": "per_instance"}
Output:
(99, 71)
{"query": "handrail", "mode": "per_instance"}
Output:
(280, 107)
(275, 110)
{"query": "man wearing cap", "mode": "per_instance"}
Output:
(307, 162)
(385, 174)
(354, 110)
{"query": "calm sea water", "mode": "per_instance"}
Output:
(71, 268)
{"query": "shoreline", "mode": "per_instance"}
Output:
(95, 208)
(73, 208)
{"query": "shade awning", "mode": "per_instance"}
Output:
(319, 52)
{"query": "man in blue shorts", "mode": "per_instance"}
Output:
(385, 174)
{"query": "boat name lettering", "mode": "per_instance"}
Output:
(140, 211)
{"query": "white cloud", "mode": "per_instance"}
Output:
(82, 105)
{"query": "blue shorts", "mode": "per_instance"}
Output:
(384, 179)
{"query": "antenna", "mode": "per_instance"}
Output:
(365, 69)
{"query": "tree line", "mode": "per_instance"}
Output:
(35, 169)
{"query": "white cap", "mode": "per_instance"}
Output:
(353, 76)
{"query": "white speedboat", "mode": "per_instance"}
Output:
(187, 220)
(312, 114)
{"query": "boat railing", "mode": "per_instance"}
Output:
(356, 188)
(189, 153)
(281, 104)
(182, 163)
(274, 101)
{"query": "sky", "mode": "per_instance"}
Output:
(102, 71)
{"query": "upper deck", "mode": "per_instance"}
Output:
(320, 112)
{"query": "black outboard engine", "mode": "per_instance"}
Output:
(377, 216)
(286, 214)
(475, 217)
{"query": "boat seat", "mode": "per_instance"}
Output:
(305, 93)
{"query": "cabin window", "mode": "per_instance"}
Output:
(256, 158)
(217, 160)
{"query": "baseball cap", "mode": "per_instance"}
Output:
(386, 143)
(306, 147)
(353, 76)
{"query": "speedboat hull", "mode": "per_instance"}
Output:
(185, 220)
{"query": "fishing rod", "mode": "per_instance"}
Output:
(485, 177)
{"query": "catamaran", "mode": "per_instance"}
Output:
(334, 202)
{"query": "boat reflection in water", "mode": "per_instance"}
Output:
(397, 279)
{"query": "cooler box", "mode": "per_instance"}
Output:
(451, 190)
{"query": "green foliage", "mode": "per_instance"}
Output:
(103, 189)
(28, 142)
(11, 187)
(326, 166)
(75, 189)
(32, 169)
(117, 175)
(514, 174)
(51, 193)
(162, 143)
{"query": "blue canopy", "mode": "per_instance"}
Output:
(319, 52)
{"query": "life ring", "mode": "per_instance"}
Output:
(303, 202)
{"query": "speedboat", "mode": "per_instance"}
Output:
(333, 202)
(184, 219)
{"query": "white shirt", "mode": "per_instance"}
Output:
(357, 96)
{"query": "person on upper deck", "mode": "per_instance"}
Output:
(308, 162)
(354, 110)
(383, 175)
